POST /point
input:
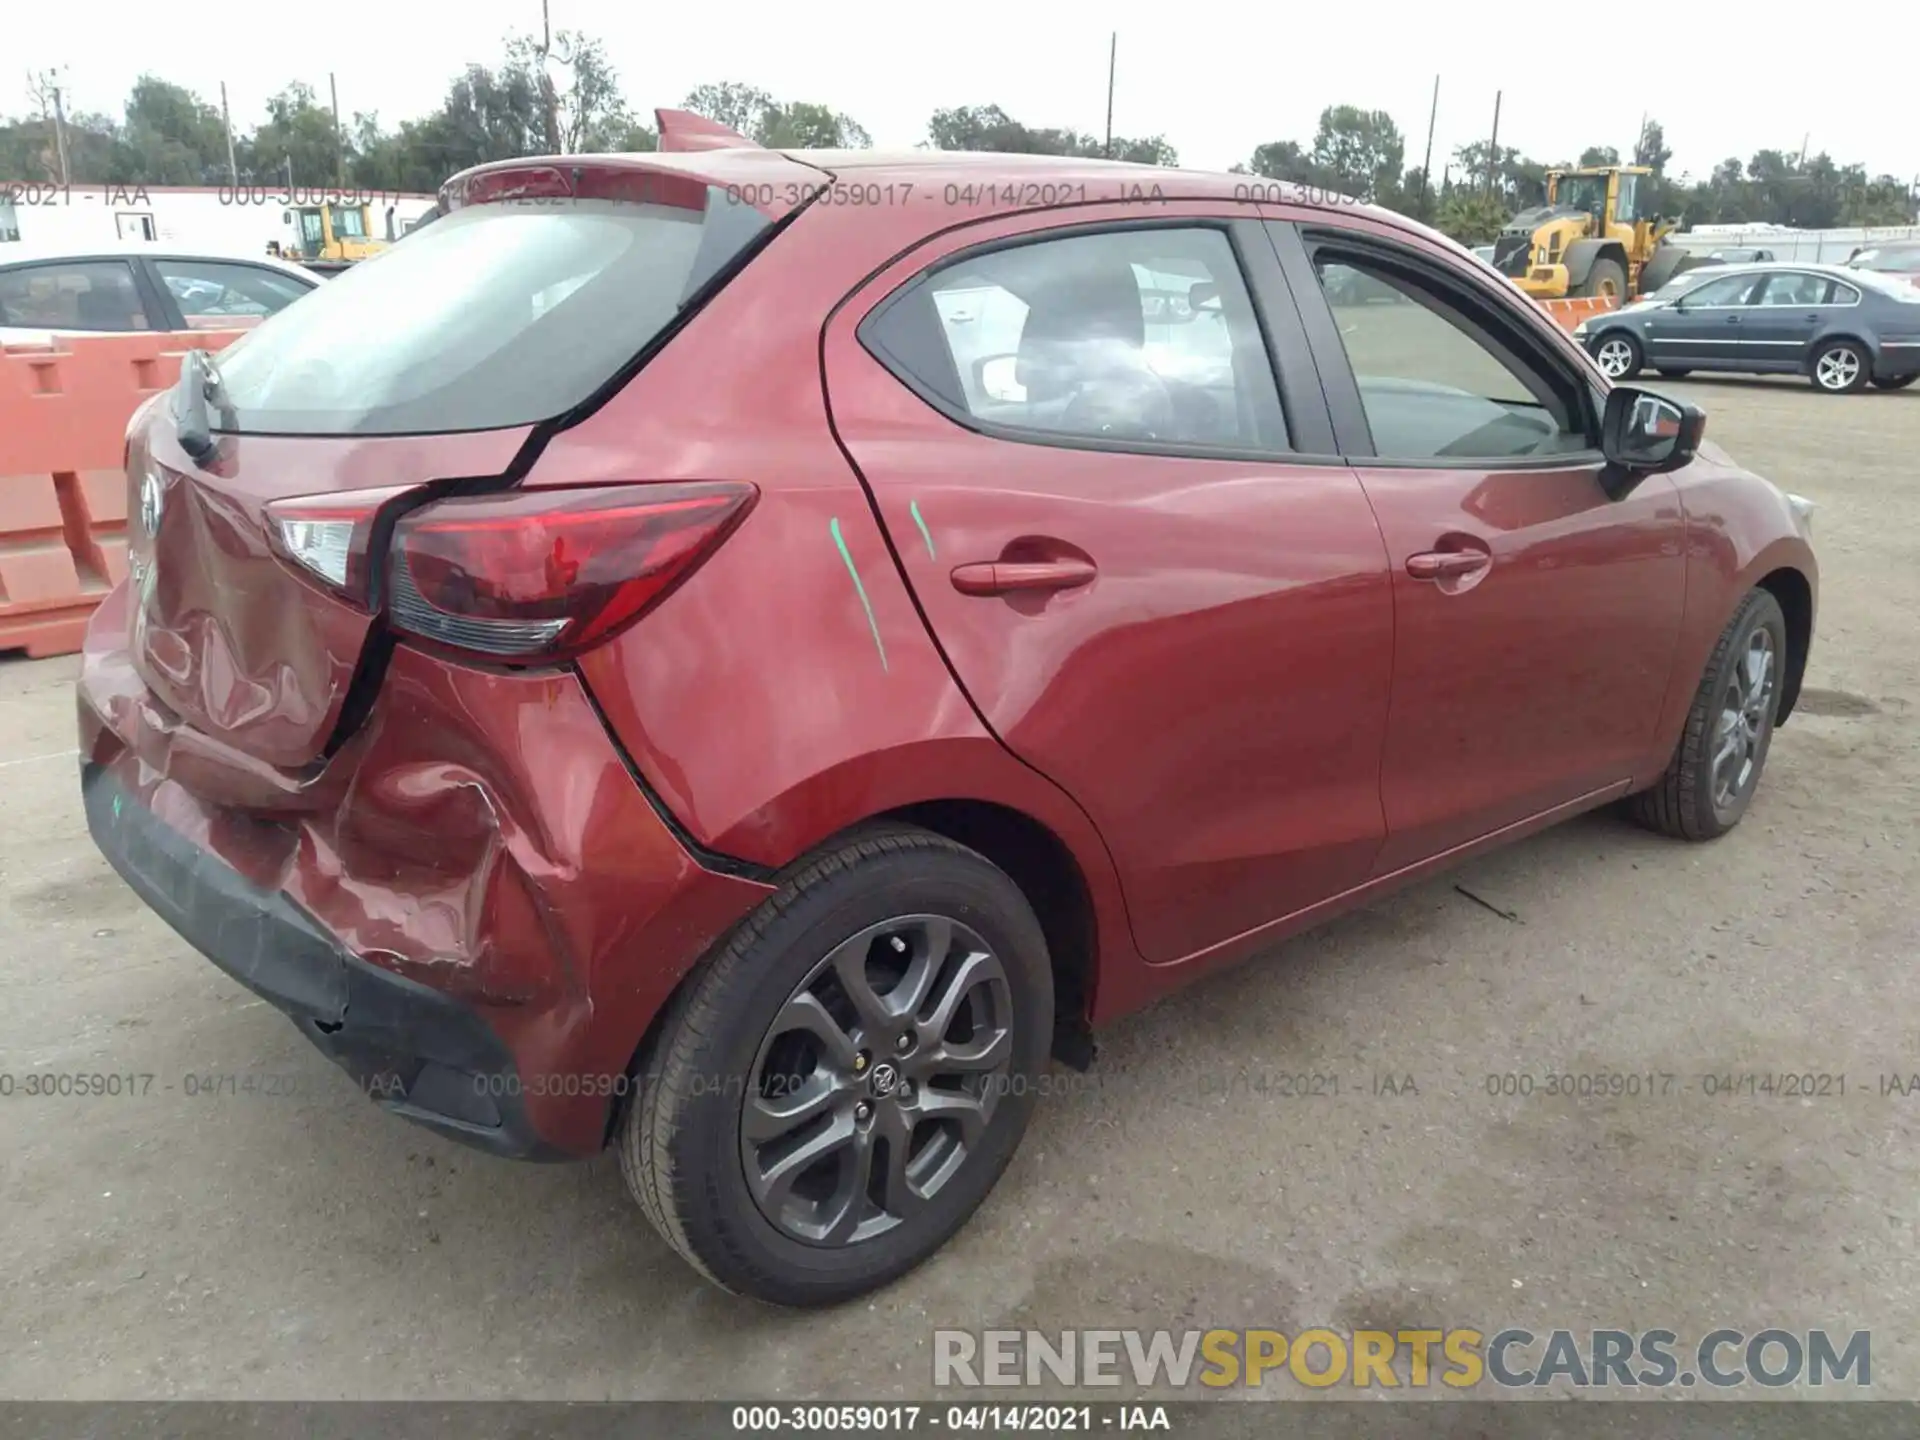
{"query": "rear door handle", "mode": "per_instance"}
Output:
(1445, 564)
(1003, 577)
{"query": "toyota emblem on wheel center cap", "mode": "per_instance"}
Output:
(883, 1079)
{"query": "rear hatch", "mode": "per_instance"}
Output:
(263, 489)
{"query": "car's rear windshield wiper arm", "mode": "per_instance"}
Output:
(199, 383)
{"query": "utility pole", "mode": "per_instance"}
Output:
(550, 102)
(60, 132)
(226, 119)
(1426, 164)
(1493, 145)
(45, 87)
(1113, 56)
(339, 146)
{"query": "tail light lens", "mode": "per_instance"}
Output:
(329, 537)
(541, 575)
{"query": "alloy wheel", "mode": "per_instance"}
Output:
(877, 1080)
(1615, 357)
(1837, 369)
(1746, 710)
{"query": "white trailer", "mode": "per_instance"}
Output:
(1831, 247)
(226, 219)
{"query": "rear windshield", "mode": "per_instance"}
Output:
(498, 315)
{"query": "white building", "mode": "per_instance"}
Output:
(224, 220)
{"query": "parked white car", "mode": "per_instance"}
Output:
(48, 293)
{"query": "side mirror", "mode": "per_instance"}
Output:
(1643, 434)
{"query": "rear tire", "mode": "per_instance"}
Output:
(922, 928)
(1607, 277)
(1841, 368)
(1618, 354)
(1666, 262)
(1897, 383)
(1717, 766)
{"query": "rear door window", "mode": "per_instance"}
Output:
(211, 293)
(499, 315)
(1795, 288)
(1142, 337)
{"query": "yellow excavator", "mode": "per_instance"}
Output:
(327, 238)
(1590, 238)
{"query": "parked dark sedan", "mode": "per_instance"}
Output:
(1840, 328)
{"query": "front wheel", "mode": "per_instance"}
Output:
(1716, 768)
(835, 1091)
(1840, 368)
(1619, 356)
(1896, 382)
(1608, 278)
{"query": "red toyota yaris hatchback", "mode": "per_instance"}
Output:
(746, 657)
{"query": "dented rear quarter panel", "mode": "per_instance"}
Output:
(480, 834)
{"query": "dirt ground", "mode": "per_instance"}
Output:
(304, 1245)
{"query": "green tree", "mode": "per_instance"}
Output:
(172, 136)
(1470, 217)
(741, 108)
(1518, 182)
(1651, 148)
(804, 126)
(1286, 160)
(988, 127)
(1599, 155)
(586, 111)
(978, 127)
(1361, 151)
(296, 142)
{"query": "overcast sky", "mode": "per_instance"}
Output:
(1216, 77)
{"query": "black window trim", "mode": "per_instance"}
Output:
(1519, 339)
(158, 309)
(1289, 361)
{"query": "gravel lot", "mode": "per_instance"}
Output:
(303, 1245)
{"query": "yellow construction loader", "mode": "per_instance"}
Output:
(327, 238)
(1590, 238)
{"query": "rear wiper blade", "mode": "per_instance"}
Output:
(199, 383)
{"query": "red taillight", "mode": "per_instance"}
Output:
(540, 575)
(329, 537)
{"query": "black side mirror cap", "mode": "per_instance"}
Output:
(1645, 433)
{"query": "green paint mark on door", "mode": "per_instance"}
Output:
(840, 543)
(925, 534)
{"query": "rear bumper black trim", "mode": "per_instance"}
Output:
(417, 1052)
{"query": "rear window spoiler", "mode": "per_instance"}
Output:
(684, 130)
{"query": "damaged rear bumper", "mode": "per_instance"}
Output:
(473, 904)
(418, 1052)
